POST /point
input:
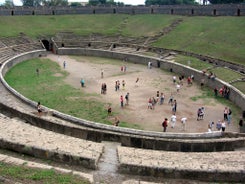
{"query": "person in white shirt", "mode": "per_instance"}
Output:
(183, 122)
(173, 120)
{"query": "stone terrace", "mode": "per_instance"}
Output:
(214, 166)
(12, 46)
(19, 136)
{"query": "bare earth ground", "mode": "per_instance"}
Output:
(150, 81)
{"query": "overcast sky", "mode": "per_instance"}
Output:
(132, 2)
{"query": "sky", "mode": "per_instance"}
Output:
(132, 2)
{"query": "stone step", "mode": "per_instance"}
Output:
(208, 166)
(22, 137)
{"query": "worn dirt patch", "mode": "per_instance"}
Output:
(150, 81)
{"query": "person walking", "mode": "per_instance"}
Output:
(82, 82)
(173, 120)
(165, 124)
(121, 101)
(223, 126)
(127, 98)
(183, 122)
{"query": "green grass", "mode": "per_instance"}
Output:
(218, 37)
(23, 174)
(226, 74)
(208, 96)
(50, 89)
(192, 62)
(240, 86)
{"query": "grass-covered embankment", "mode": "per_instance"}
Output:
(218, 37)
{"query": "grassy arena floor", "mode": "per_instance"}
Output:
(51, 89)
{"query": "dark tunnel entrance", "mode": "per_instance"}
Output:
(46, 45)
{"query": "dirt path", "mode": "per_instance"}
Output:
(150, 81)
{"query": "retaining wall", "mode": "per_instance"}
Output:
(193, 10)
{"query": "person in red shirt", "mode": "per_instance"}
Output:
(165, 124)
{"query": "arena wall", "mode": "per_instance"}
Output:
(188, 10)
(195, 142)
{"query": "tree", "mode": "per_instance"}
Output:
(75, 4)
(9, 4)
(225, 1)
(55, 2)
(169, 2)
(31, 2)
(101, 2)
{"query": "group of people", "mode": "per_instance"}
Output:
(221, 124)
(152, 101)
(173, 120)
(126, 100)
(200, 113)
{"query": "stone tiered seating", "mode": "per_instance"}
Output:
(18, 136)
(12, 46)
(209, 166)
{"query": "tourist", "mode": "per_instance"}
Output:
(103, 88)
(121, 101)
(161, 99)
(39, 108)
(174, 79)
(82, 82)
(149, 103)
(102, 74)
(218, 125)
(136, 82)
(165, 124)
(117, 121)
(223, 126)
(200, 113)
(158, 95)
(171, 99)
(109, 110)
(174, 107)
(173, 120)
(149, 65)
(154, 102)
(229, 116)
(177, 88)
(183, 122)
(125, 68)
(123, 84)
(226, 111)
(215, 92)
(210, 126)
(127, 98)
(37, 72)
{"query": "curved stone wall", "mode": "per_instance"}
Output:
(189, 10)
(128, 137)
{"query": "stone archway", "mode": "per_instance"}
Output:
(46, 45)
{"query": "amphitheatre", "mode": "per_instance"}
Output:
(136, 151)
